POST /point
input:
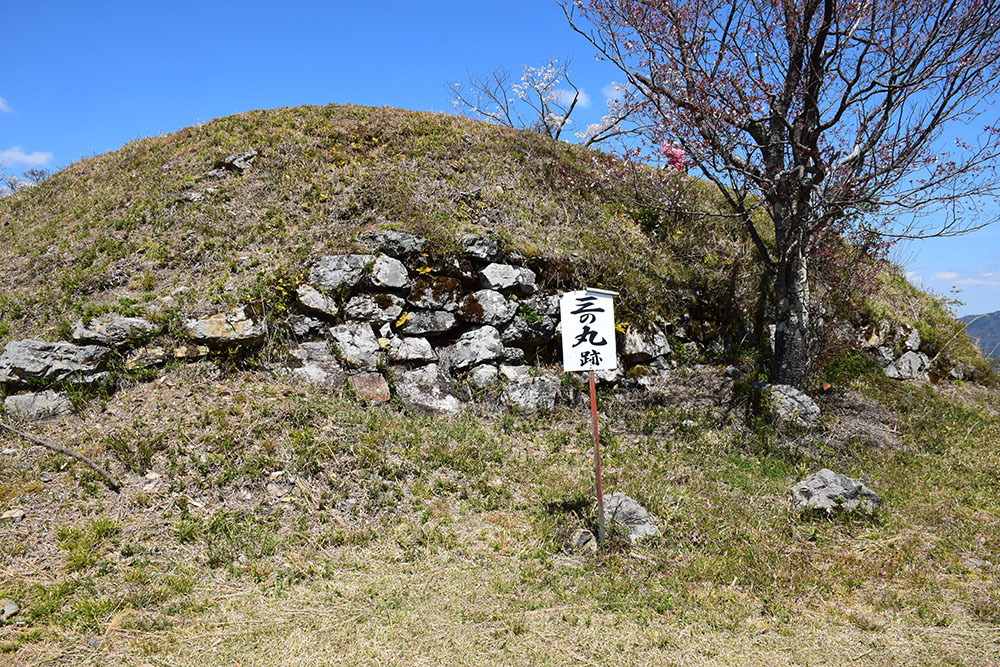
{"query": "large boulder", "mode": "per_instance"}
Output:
(428, 389)
(389, 273)
(621, 509)
(316, 364)
(230, 328)
(436, 293)
(370, 386)
(832, 492)
(237, 161)
(535, 323)
(483, 376)
(911, 366)
(356, 344)
(405, 350)
(428, 323)
(644, 348)
(40, 405)
(26, 361)
(791, 404)
(112, 330)
(375, 308)
(314, 301)
(911, 338)
(508, 278)
(335, 272)
(487, 307)
(396, 244)
(531, 394)
(483, 248)
(472, 348)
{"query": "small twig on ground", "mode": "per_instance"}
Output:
(112, 482)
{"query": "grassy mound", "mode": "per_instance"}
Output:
(263, 521)
(144, 225)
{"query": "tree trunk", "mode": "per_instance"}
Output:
(791, 339)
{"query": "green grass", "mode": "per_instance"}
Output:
(464, 521)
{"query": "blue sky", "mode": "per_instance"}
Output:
(81, 79)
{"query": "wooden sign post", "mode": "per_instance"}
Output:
(588, 343)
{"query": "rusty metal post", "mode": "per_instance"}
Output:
(597, 462)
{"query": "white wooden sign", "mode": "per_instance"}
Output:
(588, 330)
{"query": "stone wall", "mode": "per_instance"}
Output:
(396, 321)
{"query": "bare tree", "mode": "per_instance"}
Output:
(542, 101)
(823, 114)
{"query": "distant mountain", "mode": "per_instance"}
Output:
(984, 330)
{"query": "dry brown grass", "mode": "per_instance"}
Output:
(453, 552)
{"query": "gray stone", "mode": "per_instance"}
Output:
(621, 509)
(642, 348)
(531, 394)
(397, 244)
(229, 328)
(911, 366)
(403, 349)
(316, 364)
(536, 321)
(911, 338)
(484, 248)
(474, 347)
(8, 610)
(356, 344)
(305, 326)
(514, 372)
(389, 273)
(237, 161)
(513, 355)
(29, 360)
(112, 330)
(41, 405)
(371, 387)
(147, 357)
(884, 356)
(608, 377)
(335, 272)
(483, 376)
(832, 492)
(648, 377)
(427, 389)
(487, 307)
(507, 278)
(436, 293)
(791, 404)
(422, 322)
(581, 541)
(314, 301)
(374, 308)
(518, 332)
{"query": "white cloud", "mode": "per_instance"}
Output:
(978, 281)
(914, 278)
(16, 156)
(944, 275)
(564, 96)
(4, 107)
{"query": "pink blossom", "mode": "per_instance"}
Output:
(675, 157)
